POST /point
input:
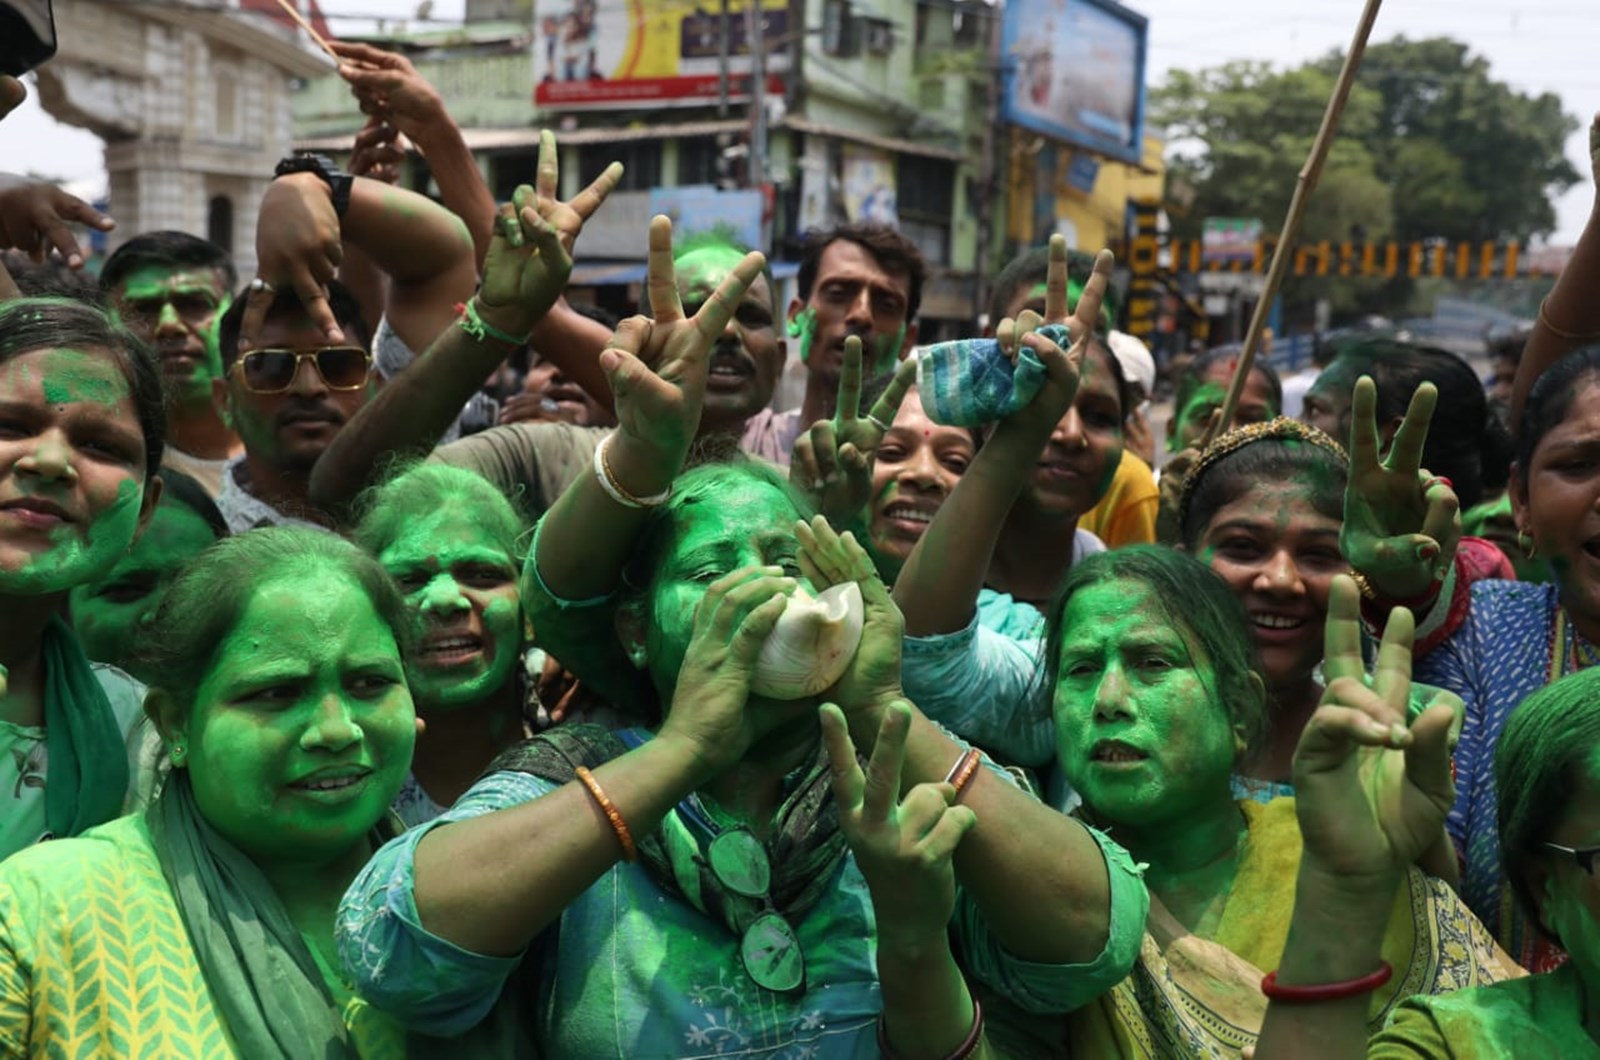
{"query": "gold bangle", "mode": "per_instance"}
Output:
(1570, 336)
(614, 489)
(613, 815)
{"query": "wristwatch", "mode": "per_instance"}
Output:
(338, 181)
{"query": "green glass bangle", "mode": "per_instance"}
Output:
(480, 329)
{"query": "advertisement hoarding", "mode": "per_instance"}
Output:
(624, 53)
(1075, 73)
(1229, 239)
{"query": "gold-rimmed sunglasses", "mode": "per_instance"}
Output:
(272, 371)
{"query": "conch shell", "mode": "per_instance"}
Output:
(812, 645)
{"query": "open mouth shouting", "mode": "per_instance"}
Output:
(1115, 754)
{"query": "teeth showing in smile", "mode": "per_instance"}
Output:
(909, 514)
(452, 646)
(330, 783)
(1277, 621)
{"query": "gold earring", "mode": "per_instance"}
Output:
(1525, 542)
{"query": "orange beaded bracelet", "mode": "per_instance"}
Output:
(618, 825)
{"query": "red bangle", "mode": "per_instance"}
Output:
(1304, 995)
(964, 1050)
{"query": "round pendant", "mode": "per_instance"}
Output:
(739, 862)
(771, 953)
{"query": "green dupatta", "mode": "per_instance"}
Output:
(262, 976)
(87, 777)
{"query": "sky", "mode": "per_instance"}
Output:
(1535, 45)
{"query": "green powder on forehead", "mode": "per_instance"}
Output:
(72, 377)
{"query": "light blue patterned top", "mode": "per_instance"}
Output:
(631, 971)
(984, 682)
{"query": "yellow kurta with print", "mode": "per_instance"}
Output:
(95, 962)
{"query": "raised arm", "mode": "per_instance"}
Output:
(938, 587)
(1039, 879)
(420, 246)
(1570, 316)
(1371, 795)
(588, 535)
(389, 88)
(903, 847)
(410, 413)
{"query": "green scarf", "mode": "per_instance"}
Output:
(261, 974)
(88, 760)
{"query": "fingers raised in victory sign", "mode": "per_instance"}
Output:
(833, 460)
(1055, 282)
(657, 366)
(1371, 792)
(1400, 526)
(902, 846)
(569, 217)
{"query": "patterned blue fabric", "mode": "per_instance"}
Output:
(630, 971)
(1497, 657)
(982, 682)
(969, 382)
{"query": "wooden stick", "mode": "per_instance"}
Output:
(288, 6)
(1304, 185)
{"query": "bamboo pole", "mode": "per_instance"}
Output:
(1305, 184)
(289, 7)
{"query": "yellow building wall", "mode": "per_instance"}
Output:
(1098, 218)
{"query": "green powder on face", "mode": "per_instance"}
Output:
(79, 555)
(72, 377)
(804, 327)
(886, 351)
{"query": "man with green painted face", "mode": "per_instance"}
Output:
(860, 279)
(170, 288)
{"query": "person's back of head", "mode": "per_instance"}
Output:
(1465, 444)
(1026, 273)
(51, 278)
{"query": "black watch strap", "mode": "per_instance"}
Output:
(337, 180)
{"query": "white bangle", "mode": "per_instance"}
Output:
(614, 489)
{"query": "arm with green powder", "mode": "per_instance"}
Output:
(421, 247)
(1371, 794)
(519, 289)
(938, 588)
(1570, 316)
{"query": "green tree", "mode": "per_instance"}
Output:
(1468, 157)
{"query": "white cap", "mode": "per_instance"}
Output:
(1134, 358)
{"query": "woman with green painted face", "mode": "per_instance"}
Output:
(1157, 704)
(976, 585)
(81, 433)
(203, 926)
(109, 613)
(1366, 801)
(700, 884)
(455, 545)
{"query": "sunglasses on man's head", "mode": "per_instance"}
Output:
(272, 371)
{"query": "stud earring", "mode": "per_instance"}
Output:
(178, 753)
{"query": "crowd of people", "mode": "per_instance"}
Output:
(401, 659)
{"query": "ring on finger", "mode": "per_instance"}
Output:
(876, 422)
(258, 284)
(1437, 480)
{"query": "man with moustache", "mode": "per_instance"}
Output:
(170, 288)
(861, 279)
(295, 350)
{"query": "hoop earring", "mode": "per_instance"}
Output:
(1525, 542)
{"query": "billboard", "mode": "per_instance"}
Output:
(626, 53)
(1229, 239)
(1075, 72)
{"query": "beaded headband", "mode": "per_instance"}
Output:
(1282, 429)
